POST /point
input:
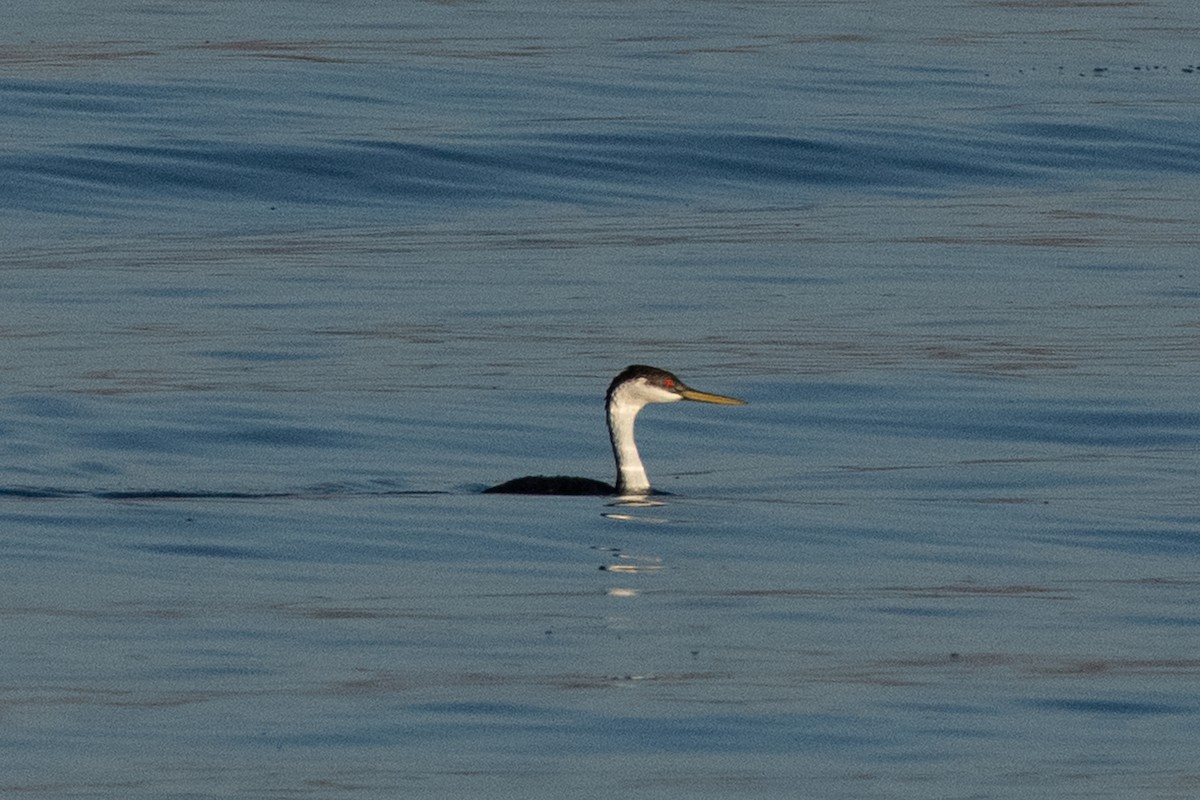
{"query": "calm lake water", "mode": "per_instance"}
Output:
(285, 285)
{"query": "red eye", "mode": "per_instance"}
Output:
(669, 383)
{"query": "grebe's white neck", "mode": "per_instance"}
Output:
(624, 402)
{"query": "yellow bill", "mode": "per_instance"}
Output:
(705, 397)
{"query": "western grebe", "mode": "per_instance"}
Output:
(636, 387)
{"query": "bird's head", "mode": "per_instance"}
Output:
(639, 385)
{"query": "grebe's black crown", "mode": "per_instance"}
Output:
(659, 377)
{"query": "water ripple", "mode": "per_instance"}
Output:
(580, 168)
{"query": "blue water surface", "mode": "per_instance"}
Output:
(285, 285)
